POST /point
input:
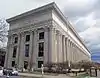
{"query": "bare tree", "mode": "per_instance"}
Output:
(3, 30)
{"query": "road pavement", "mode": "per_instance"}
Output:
(29, 75)
(10, 77)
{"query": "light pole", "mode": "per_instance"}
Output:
(42, 68)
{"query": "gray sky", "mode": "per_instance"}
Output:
(84, 14)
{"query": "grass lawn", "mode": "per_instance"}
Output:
(83, 76)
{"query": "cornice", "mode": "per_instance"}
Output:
(34, 11)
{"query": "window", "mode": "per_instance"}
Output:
(27, 38)
(41, 35)
(41, 49)
(25, 64)
(16, 40)
(27, 50)
(13, 63)
(40, 64)
(14, 51)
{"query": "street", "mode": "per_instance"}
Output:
(10, 77)
(26, 75)
(17, 77)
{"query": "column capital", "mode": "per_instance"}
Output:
(46, 28)
(51, 28)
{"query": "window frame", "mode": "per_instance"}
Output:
(40, 64)
(27, 50)
(27, 38)
(41, 49)
(13, 63)
(16, 39)
(14, 51)
(41, 35)
(26, 63)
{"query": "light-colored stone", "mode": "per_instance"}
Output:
(61, 41)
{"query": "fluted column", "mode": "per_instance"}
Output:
(30, 60)
(71, 51)
(57, 38)
(8, 53)
(63, 49)
(58, 47)
(51, 45)
(66, 48)
(21, 54)
(68, 53)
(75, 53)
(55, 45)
(46, 46)
(35, 49)
(18, 49)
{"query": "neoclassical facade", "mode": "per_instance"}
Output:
(41, 36)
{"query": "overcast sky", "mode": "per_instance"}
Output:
(84, 14)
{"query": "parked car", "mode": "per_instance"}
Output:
(1, 71)
(10, 71)
(15, 72)
(5, 71)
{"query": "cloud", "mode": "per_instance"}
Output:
(86, 18)
(92, 36)
(84, 14)
(83, 23)
(78, 8)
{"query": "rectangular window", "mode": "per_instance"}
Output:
(13, 63)
(41, 49)
(41, 35)
(27, 38)
(16, 40)
(27, 50)
(40, 64)
(14, 51)
(25, 64)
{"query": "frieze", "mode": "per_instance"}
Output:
(31, 27)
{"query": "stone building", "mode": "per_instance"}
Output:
(43, 35)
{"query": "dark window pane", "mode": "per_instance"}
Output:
(25, 64)
(41, 49)
(27, 38)
(14, 51)
(40, 63)
(27, 50)
(16, 40)
(13, 63)
(41, 35)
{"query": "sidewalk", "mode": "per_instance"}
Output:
(46, 76)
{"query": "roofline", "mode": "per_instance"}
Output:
(30, 12)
